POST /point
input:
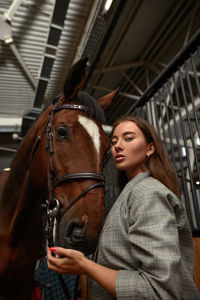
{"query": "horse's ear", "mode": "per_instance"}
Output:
(75, 79)
(106, 100)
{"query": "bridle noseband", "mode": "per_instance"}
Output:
(54, 179)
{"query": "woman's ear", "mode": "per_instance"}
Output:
(150, 149)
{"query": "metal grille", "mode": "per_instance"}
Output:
(172, 106)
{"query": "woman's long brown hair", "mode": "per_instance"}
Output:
(159, 163)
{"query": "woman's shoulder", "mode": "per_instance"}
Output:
(149, 188)
(145, 182)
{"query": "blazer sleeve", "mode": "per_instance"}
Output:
(154, 246)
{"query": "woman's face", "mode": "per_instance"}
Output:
(130, 149)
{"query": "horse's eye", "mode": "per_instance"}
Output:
(62, 132)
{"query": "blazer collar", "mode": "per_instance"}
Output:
(140, 177)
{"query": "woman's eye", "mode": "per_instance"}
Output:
(128, 139)
(62, 132)
(113, 143)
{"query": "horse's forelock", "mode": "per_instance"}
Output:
(95, 109)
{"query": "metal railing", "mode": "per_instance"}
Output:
(172, 106)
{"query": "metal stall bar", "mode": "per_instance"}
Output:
(156, 115)
(161, 119)
(149, 112)
(153, 113)
(172, 144)
(185, 186)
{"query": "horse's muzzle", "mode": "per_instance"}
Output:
(75, 237)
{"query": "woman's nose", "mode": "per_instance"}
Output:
(118, 146)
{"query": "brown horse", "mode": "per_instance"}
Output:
(60, 159)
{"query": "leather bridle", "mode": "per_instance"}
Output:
(54, 179)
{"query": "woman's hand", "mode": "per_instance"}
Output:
(66, 261)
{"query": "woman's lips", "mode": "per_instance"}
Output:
(119, 158)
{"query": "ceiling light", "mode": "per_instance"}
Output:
(108, 4)
(6, 169)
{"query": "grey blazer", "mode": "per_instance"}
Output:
(147, 238)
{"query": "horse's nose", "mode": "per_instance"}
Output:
(75, 231)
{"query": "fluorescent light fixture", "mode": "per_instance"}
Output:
(108, 4)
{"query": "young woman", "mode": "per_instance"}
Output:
(145, 247)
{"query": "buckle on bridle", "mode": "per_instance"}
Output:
(53, 211)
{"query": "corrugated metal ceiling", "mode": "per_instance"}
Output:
(30, 27)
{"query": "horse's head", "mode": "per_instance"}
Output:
(76, 145)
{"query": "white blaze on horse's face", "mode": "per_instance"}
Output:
(93, 131)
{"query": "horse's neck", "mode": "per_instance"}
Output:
(14, 184)
(16, 187)
(3, 177)
(13, 200)
(24, 213)
(20, 228)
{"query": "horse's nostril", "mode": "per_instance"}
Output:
(75, 232)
